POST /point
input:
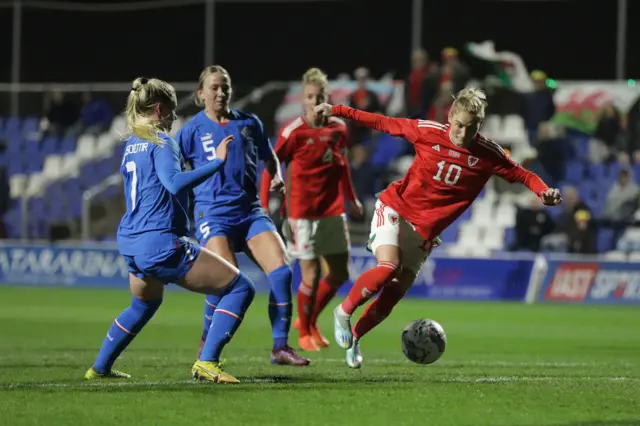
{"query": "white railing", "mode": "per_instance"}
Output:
(87, 199)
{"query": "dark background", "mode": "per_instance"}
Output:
(262, 42)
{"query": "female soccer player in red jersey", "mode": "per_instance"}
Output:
(452, 165)
(317, 184)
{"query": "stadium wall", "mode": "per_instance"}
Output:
(511, 277)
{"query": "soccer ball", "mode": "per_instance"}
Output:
(423, 341)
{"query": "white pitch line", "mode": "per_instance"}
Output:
(461, 363)
(506, 379)
(124, 383)
(374, 361)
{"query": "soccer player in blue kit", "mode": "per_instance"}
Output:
(228, 215)
(153, 236)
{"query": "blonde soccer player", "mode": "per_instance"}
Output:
(153, 236)
(318, 184)
(228, 214)
(452, 165)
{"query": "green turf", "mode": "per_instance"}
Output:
(505, 364)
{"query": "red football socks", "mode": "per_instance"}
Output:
(305, 307)
(378, 310)
(324, 294)
(369, 284)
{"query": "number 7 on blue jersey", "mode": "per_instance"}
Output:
(131, 168)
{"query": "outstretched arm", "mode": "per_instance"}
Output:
(346, 184)
(167, 163)
(402, 127)
(513, 172)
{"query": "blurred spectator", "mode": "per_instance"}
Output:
(532, 223)
(61, 114)
(630, 125)
(607, 143)
(363, 99)
(539, 106)
(371, 162)
(582, 237)
(363, 174)
(554, 149)
(453, 76)
(571, 204)
(421, 85)
(95, 115)
(621, 204)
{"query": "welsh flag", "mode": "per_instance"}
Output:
(505, 67)
(578, 103)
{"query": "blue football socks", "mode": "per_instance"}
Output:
(280, 307)
(226, 316)
(124, 328)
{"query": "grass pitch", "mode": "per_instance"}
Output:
(505, 364)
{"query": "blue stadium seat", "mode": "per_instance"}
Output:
(386, 149)
(509, 237)
(68, 145)
(597, 172)
(32, 162)
(14, 145)
(581, 146)
(450, 235)
(38, 209)
(12, 128)
(605, 240)
(613, 170)
(574, 172)
(30, 125)
(49, 145)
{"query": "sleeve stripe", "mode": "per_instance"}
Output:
(431, 124)
(286, 132)
(493, 146)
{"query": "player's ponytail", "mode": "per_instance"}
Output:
(144, 96)
(471, 100)
(203, 76)
(315, 76)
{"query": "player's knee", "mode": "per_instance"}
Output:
(282, 274)
(243, 284)
(310, 270)
(147, 306)
(145, 309)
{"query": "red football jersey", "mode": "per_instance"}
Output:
(444, 178)
(318, 177)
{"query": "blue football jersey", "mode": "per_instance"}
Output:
(233, 193)
(155, 218)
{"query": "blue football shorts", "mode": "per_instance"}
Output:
(168, 266)
(237, 233)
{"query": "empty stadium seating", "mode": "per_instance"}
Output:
(53, 172)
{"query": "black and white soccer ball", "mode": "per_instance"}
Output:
(423, 341)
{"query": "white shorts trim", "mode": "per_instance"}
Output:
(311, 238)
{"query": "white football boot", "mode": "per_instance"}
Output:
(342, 328)
(354, 356)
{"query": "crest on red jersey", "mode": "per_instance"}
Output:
(393, 219)
(472, 161)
